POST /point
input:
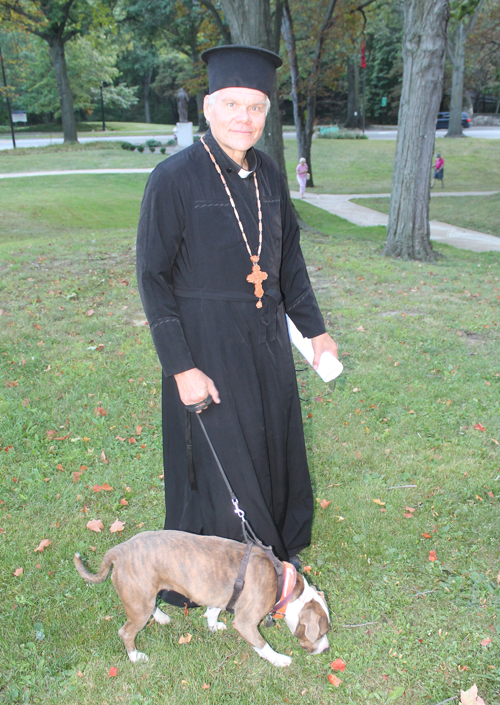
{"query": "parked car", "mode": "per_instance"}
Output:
(443, 121)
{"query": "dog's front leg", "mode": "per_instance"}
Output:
(251, 634)
(212, 614)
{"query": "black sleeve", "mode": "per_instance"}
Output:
(159, 237)
(300, 301)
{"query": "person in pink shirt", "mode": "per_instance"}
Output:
(302, 175)
(438, 170)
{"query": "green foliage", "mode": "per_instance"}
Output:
(90, 60)
(336, 134)
(128, 146)
(140, 148)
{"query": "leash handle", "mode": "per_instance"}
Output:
(201, 405)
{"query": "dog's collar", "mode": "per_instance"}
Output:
(290, 578)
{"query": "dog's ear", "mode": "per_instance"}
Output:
(310, 622)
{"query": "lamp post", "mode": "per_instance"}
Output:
(363, 66)
(8, 101)
(102, 110)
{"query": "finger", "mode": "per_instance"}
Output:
(212, 390)
(316, 359)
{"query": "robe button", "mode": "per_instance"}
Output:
(229, 170)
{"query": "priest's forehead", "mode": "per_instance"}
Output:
(248, 96)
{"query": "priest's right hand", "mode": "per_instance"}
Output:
(194, 386)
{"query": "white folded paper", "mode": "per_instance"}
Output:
(329, 366)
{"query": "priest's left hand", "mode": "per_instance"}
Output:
(323, 343)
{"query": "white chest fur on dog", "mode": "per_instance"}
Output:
(204, 568)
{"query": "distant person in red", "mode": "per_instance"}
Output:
(438, 170)
(301, 172)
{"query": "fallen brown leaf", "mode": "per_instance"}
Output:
(334, 680)
(18, 572)
(117, 525)
(324, 503)
(432, 556)
(43, 544)
(185, 639)
(95, 525)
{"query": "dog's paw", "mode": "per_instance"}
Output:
(211, 615)
(270, 655)
(161, 617)
(137, 656)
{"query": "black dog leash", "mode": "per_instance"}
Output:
(250, 537)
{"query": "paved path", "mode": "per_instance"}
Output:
(462, 238)
(342, 206)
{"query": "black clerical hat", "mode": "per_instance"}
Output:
(243, 66)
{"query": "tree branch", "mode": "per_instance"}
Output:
(223, 28)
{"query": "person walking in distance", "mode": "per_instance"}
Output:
(302, 175)
(438, 170)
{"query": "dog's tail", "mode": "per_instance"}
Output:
(93, 578)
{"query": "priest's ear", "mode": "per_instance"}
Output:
(207, 104)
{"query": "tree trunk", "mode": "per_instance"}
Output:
(352, 93)
(250, 24)
(202, 123)
(424, 45)
(147, 85)
(296, 94)
(457, 82)
(56, 50)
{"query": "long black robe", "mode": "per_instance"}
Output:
(192, 265)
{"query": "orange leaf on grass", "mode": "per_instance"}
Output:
(185, 639)
(479, 427)
(426, 536)
(95, 525)
(97, 488)
(132, 440)
(410, 509)
(379, 501)
(485, 642)
(44, 543)
(123, 501)
(60, 467)
(324, 503)
(113, 671)
(106, 487)
(338, 665)
(103, 457)
(334, 680)
(408, 515)
(432, 556)
(76, 475)
(50, 435)
(138, 430)
(38, 327)
(205, 686)
(306, 569)
(18, 572)
(99, 411)
(117, 525)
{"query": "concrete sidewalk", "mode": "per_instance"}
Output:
(462, 238)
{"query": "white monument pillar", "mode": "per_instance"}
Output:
(184, 134)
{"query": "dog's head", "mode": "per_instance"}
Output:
(308, 618)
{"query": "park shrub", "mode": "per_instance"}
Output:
(335, 133)
(128, 146)
(140, 148)
(152, 144)
(171, 143)
(162, 150)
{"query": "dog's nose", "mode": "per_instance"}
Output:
(327, 648)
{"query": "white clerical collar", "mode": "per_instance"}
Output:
(243, 174)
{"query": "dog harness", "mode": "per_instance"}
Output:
(287, 577)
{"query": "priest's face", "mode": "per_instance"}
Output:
(237, 117)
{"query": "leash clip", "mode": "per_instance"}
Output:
(239, 512)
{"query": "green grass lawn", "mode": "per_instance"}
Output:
(392, 446)
(474, 212)
(129, 128)
(354, 166)
(103, 155)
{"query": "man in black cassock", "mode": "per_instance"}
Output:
(214, 333)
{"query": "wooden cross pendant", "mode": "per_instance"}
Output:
(257, 277)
